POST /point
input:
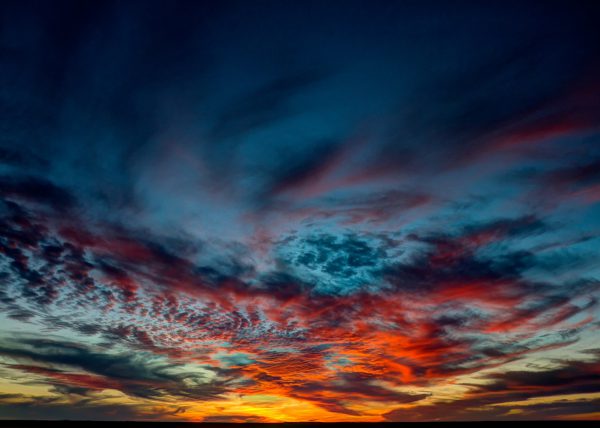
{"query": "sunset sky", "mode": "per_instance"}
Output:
(270, 211)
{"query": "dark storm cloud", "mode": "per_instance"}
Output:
(450, 264)
(33, 189)
(350, 387)
(229, 419)
(485, 400)
(130, 373)
(477, 410)
(31, 407)
(284, 285)
(459, 258)
(20, 314)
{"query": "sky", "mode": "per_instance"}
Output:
(264, 211)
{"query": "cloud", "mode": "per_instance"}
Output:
(67, 364)
(31, 407)
(351, 387)
(505, 396)
(246, 419)
(37, 190)
(344, 208)
(141, 277)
